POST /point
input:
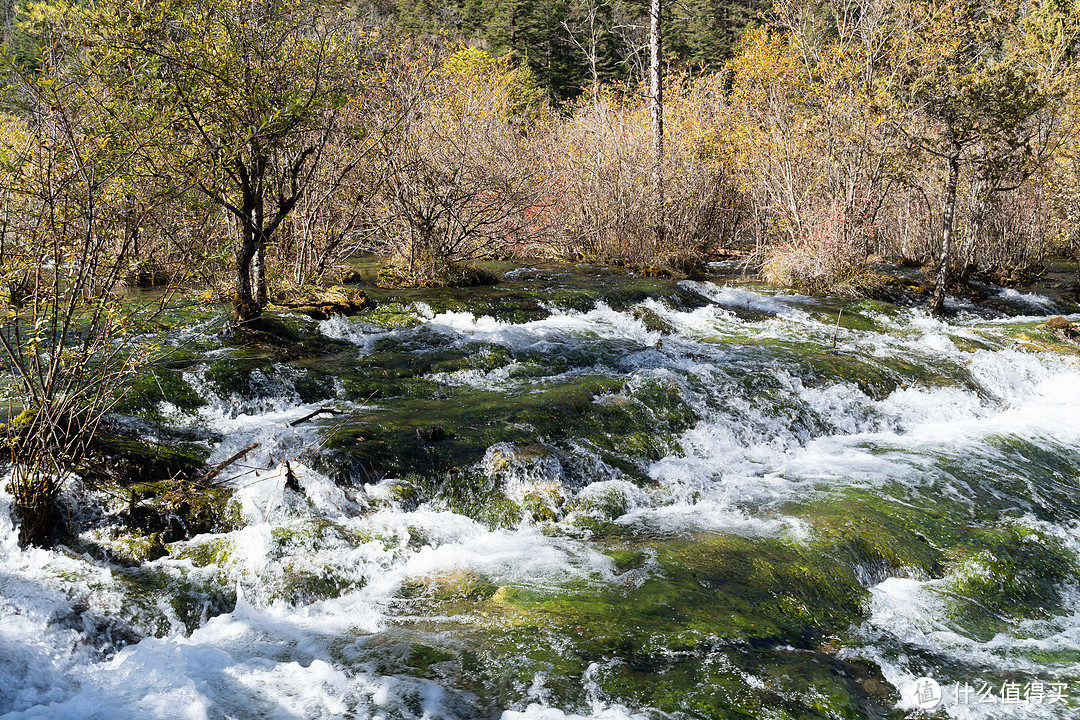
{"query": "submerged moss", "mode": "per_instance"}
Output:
(883, 535)
(708, 613)
(1012, 571)
(116, 458)
(205, 552)
(700, 612)
(381, 443)
(127, 548)
(528, 294)
(176, 508)
(157, 385)
(609, 504)
(138, 550)
(395, 314)
(475, 496)
(241, 375)
(191, 599)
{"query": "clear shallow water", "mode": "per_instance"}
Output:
(720, 515)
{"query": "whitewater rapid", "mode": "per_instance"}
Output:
(80, 638)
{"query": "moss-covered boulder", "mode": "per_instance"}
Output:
(1011, 571)
(1062, 328)
(321, 303)
(582, 418)
(124, 460)
(155, 490)
(157, 386)
(433, 272)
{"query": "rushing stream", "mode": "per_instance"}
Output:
(701, 501)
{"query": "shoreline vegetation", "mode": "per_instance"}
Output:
(251, 149)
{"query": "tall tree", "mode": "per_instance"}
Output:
(656, 93)
(704, 33)
(252, 90)
(974, 80)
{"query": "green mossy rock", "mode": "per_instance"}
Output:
(626, 427)
(123, 460)
(1012, 571)
(321, 303)
(154, 386)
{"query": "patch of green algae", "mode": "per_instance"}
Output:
(680, 628)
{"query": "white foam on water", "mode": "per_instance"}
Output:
(727, 478)
(508, 378)
(361, 334)
(599, 711)
(37, 655)
(233, 667)
(598, 708)
(365, 334)
(1033, 300)
(761, 458)
(910, 614)
(272, 659)
(561, 329)
(1072, 317)
(44, 648)
(777, 304)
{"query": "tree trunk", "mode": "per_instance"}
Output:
(245, 305)
(250, 259)
(7, 16)
(1076, 256)
(656, 91)
(937, 300)
(258, 271)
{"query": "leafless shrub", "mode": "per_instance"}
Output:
(600, 161)
(459, 183)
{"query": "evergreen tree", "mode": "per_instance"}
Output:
(704, 33)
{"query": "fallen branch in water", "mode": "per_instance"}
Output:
(320, 411)
(216, 470)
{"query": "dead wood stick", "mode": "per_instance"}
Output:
(216, 470)
(320, 411)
